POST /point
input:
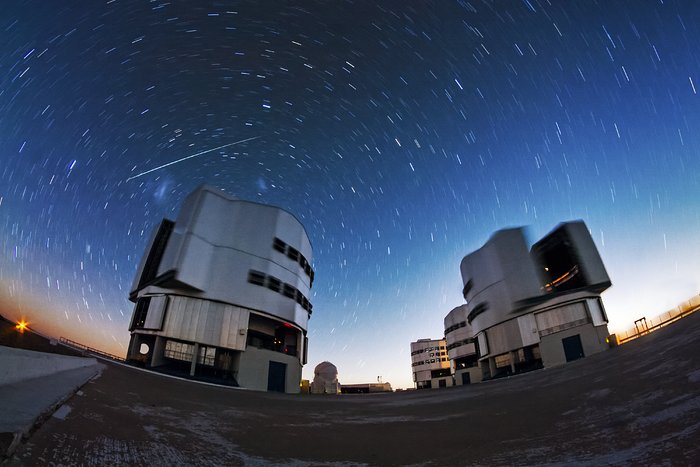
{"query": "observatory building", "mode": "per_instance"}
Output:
(222, 294)
(538, 307)
(325, 379)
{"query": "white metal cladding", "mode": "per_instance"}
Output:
(462, 351)
(206, 322)
(483, 344)
(504, 337)
(528, 329)
(561, 317)
(594, 308)
(500, 273)
(459, 330)
(156, 312)
(217, 240)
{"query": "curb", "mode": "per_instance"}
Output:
(19, 436)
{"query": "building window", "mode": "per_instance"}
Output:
(178, 351)
(206, 356)
(140, 313)
(273, 283)
(502, 360)
(441, 373)
(295, 255)
(480, 308)
(256, 277)
(279, 245)
(289, 291)
(292, 253)
(454, 327)
(467, 288)
(276, 285)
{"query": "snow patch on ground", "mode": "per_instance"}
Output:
(62, 412)
(675, 412)
(598, 393)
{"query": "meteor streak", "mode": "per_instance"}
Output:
(191, 156)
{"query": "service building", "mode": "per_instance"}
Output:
(462, 347)
(430, 364)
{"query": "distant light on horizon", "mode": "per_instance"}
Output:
(22, 326)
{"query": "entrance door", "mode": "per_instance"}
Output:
(276, 377)
(573, 350)
(466, 378)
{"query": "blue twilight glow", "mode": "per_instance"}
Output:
(402, 135)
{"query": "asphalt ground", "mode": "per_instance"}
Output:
(636, 404)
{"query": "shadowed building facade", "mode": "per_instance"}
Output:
(462, 347)
(530, 308)
(222, 294)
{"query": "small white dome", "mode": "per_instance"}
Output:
(326, 370)
(325, 379)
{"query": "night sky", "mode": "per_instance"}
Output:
(401, 136)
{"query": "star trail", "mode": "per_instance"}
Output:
(401, 134)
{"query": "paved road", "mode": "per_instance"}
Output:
(637, 404)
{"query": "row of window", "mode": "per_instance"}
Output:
(480, 308)
(184, 352)
(261, 340)
(454, 327)
(276, 285)
(427, 349)
(293, 254)
(431, 360)
(467, 288)
(454, 345)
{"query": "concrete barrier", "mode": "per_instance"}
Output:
(19, 365)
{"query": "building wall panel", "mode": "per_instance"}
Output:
(253, 369)
(156, 313)
(561, 316)
(208, 323)
(528, 329)
(504, 337)
(594, 308)
(592, 341)
(483, 344)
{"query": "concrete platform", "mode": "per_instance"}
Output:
(636, 404)
(17, 365)
(25, 403)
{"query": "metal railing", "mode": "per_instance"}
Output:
(646, 325)
(85, 348)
